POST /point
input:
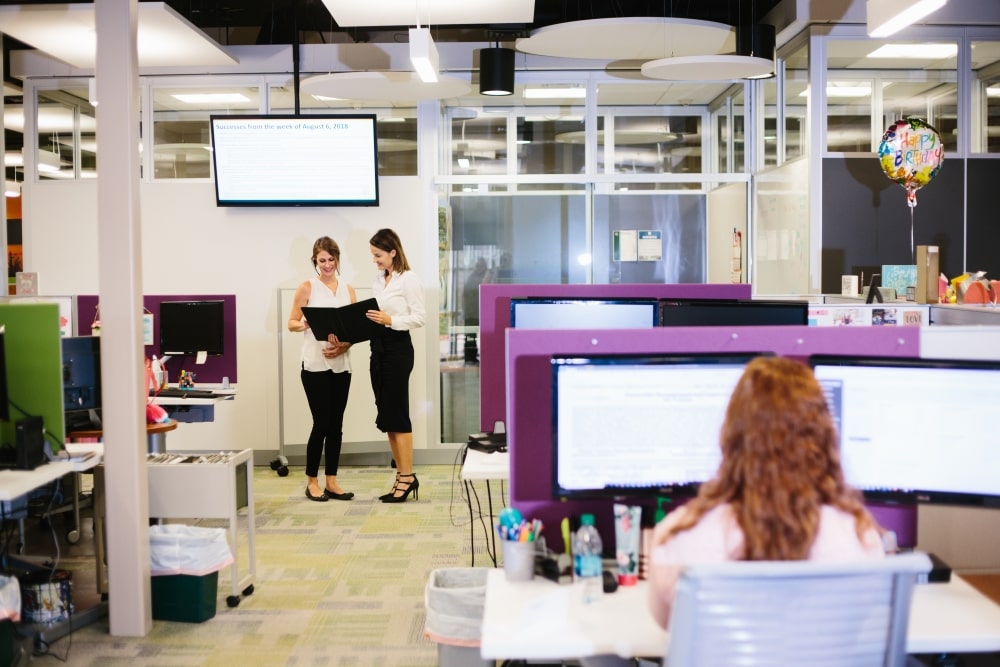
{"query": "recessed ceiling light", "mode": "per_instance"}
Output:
(554, 93)
(920, 51)
(212, 98)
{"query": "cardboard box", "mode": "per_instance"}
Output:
(928, 258)
(184, 597)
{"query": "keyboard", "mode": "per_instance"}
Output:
(174, 392)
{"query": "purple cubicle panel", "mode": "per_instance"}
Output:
(494, 318)
(529, 415)
(214, 368)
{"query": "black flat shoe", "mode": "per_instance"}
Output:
(347, 495)
(321, 498)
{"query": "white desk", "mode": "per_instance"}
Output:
(541, 620)
(16, 483)
(480, 466)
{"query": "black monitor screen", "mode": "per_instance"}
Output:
(630, 425)
(191, 327)
(81, 368)
(583, 313)
(707, 313)
(916, 430)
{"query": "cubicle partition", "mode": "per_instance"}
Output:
(529, 426)
(494, 319)
(214, 369)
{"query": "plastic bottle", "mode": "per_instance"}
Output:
(588, 567)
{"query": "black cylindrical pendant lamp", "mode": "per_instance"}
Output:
(496, 71)
(756, 41)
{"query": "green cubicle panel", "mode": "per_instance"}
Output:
(34, 368)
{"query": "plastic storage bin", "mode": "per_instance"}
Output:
(454, 600)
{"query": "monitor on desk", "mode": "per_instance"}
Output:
(583, 313)
(639, 425)
(707, 313)
(916, 430)
(81, 372)
(193, 328)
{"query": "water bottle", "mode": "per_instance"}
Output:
(587, 565)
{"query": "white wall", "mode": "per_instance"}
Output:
(191, 246)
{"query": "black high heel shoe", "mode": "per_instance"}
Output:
(406, 487)
(392, 490)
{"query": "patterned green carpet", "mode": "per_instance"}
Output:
(337, 583)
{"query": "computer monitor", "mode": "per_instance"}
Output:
(583, 313)
(191, 327)
(707, 313)
(639, 425)
(916, 430)
(81, 370)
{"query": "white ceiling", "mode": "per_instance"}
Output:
(67, 32)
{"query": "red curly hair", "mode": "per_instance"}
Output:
(780, 463)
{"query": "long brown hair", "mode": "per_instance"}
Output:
(780, 463)
(388, 240)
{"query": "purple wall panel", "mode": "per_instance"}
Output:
(214, 368)
(529, 418)
(494, 318)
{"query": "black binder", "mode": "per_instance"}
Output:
(348, 323)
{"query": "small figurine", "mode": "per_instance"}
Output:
(186, 380)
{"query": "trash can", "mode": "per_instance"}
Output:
(184, 564)
(454, 600)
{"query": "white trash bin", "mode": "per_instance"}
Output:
(454, 600)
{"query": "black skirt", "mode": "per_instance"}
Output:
(390, 368)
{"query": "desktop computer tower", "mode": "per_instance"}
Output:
(29, 443)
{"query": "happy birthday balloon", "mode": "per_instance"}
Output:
(911, 154)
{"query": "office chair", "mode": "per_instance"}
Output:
(790, 613)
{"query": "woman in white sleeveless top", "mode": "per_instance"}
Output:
(326, 371)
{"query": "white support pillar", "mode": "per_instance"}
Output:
(120, 289)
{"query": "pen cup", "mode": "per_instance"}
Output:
(519, 560)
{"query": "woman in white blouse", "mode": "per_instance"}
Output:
(400, 298)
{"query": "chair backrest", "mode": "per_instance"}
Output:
(790, 613)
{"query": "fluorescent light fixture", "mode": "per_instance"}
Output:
(836, 89)
(993, 91)
(932, 51)
(463, 162)
(555, 93)
(887, 17)
(92, 91)
(211, 98)
(12, 189)
(423, 55)
(48, 162)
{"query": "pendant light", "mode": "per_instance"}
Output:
(496, 71)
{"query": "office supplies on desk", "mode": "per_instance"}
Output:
(348, 323)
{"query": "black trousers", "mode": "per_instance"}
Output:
(326, 393)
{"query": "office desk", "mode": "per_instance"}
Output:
(156, 435)
(541, 620)
(480, 466)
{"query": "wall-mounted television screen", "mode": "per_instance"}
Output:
(583, 313)
(191, 327)
(305, 160)
(916, 430)
(635, 425)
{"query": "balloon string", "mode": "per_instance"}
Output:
(913, 253)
